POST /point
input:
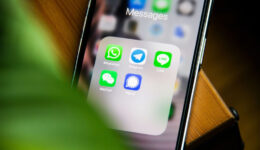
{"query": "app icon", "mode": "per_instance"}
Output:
(186, 7)
(138, 56)
(132, 82)
(181, 32)
(161, 6)
(156, 29)
(107, 23)
(113, 52)
(162, 59)
(137, 4)
(108, 78)
(130, 26)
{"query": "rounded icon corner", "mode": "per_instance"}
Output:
(179, 51)
(160, 132)
(176, 49)
(107, 38)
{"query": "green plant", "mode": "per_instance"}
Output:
(38, 109)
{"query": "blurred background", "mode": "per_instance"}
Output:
(231, 58)
(231, 62)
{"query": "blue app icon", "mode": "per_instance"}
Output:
(137, 4)
(179, 32)
(138, 56)
(132, 82)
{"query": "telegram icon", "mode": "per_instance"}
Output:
(138, 56)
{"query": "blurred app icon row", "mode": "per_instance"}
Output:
(178, 32)
(185, 7)
(158, 6)
(108, 24)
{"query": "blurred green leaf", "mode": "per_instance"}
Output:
(38, 109)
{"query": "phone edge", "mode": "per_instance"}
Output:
(207, 8)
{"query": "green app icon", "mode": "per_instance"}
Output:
(113, 52)
(162, 59)
(108, 78)
(161, 6)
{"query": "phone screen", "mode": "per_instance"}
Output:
(137, 64)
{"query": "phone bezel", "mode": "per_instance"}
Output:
(202, 33)
(196, 64)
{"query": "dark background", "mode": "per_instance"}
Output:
(232, 62)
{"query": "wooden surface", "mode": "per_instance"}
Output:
(208, 111)
(64, 20)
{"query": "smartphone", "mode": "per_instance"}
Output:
(138, 62)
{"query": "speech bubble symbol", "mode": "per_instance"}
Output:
(108, 78)
(163, 59)
(132, 82)
(113, 52)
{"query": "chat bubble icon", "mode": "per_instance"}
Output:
(162, 59)
(132, 82)
(108, 78)
(113, 52)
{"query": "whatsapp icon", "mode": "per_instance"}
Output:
(113, 52)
